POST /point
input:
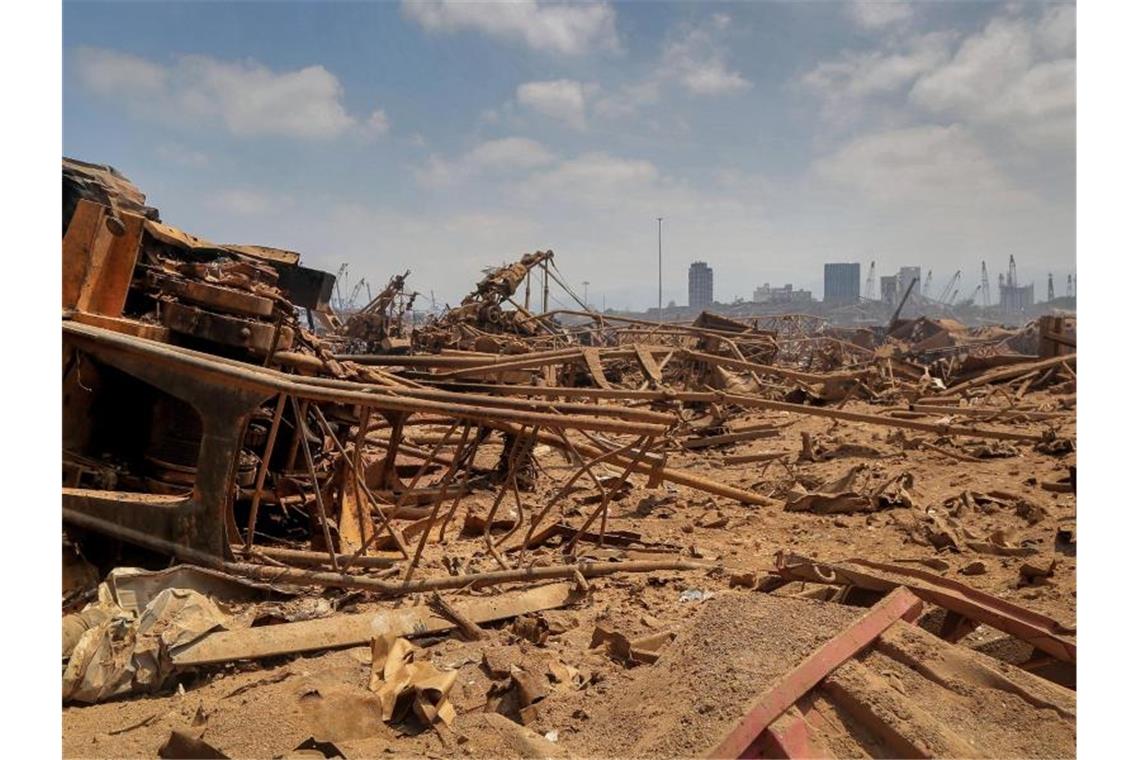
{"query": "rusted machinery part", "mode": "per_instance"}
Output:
(391, 588)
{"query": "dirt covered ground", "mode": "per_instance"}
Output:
(730, 641)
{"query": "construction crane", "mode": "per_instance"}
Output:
(985, 286)
(973, 297)
(355, 292)
(1049, 288)
(942, 297)
(926, 285)
(869, 285)
(340, 273)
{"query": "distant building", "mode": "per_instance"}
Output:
(889, 289)
(787, 294)
(1015, 298)
(841, 282)
(700, 285)
(906, 275)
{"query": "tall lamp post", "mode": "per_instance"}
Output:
(659, 312)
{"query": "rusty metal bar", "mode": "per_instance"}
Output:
(303, 430)
(438, 500)
(263, 469)
(358, 479)
(343, 580)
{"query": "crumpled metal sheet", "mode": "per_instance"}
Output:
(124, 655)
(396, 674)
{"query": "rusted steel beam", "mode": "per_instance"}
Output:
(680, 477)
(263, 469)
(729, 438)
(977, 411)
(593, 359)
(754, 402)
(767, 369)
(900, 604)
(301, 557)
(1013, 371)
(392, 588)
(1043, 632)
(525, 362)
(196, 366)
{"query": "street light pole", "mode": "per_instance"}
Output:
(659, 313)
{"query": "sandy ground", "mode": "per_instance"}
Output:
(267, 709)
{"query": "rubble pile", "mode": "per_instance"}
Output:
(508, 530)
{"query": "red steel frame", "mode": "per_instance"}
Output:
(748, 738)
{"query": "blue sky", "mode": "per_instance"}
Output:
(447, 137)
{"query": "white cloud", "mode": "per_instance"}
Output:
(245, 97)
(377, 123)
(594, 174)
(877, 14)
(1016, 78)
(858, 76)
(114, 74)
(932, 166)
(509, 154)
(181, 155)
(628, 99)
(1016, 74)
(696, 59)
(241, 201)
(561, 99)
(564, 28)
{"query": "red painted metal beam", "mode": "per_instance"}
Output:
(900, 604)
(1043, 632)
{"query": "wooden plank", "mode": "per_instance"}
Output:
(900, 604)
(354, 630)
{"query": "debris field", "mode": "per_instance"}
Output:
(512, 531)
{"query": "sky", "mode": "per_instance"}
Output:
(772, 137)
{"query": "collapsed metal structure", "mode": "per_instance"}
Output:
(217, 411)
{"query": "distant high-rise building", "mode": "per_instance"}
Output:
(841, 282)
(889, 289)
(700, 285)
(906, 274)
(1014, 297)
